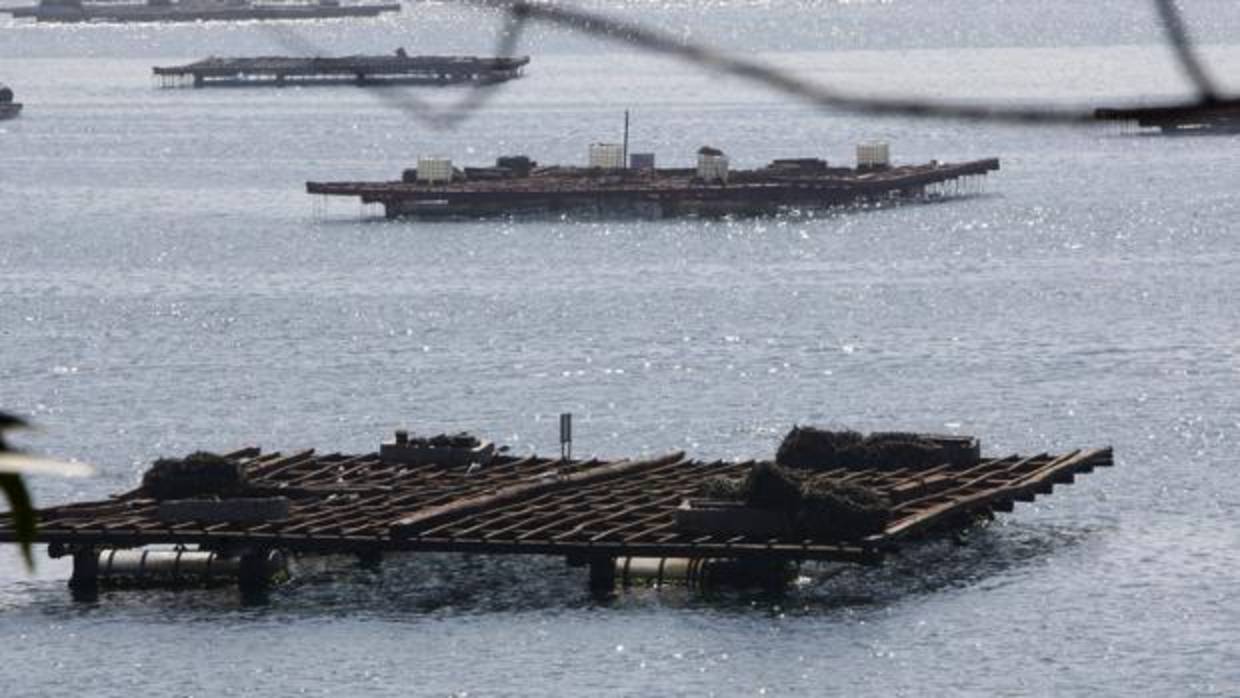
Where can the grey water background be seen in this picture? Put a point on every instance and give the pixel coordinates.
(167, 286)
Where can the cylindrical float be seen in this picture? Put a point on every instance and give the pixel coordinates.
(156, 568)
(702, 573)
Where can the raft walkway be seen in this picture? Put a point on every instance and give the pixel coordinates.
(359, 70)
(585, 509)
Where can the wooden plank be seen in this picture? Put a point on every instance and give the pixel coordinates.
(417, 522)
(929, 516)
(991, 470)
(918, 487)
(272, 468)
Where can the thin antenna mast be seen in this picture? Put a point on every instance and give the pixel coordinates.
(625, 163)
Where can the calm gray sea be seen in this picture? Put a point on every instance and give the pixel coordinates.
(166, 285)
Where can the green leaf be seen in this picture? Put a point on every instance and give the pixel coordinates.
(25, 521)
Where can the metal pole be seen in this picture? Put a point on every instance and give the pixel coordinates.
(625, 164)
(566, 436)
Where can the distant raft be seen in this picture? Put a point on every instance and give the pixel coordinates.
(394, 68)
(8, 107)
(193, 10)
(1220, 116)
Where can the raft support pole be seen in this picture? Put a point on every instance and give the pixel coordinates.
(84, 584)
(602, 573)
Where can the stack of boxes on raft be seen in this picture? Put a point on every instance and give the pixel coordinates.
(609, 158)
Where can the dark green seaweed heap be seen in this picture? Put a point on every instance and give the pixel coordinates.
(810, 448)
(199, 474)
(723, 488)
(460, 440)
(828, 505)
(818, 507)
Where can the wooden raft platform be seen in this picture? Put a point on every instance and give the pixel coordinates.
(657, 192)
(358, 70)
(8, 107)
(580, 509)
(73, 11)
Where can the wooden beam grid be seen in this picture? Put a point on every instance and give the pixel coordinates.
(661, 488)
(336, 505)
(651, 495)
(530, 504)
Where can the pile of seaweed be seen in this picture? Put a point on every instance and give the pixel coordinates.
(817, 506)
(200, 474)
(459, 440)
(814, 449)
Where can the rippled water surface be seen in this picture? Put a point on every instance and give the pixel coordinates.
(167, 286)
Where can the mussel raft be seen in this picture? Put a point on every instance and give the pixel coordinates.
(1213, 117)
(8, 107)
(74, 11)
(832, 496)
(516, 185)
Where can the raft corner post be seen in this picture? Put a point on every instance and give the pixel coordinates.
(602, 573)
(84, 582)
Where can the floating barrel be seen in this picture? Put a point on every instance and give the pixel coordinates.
(700, 573)
(155, 568)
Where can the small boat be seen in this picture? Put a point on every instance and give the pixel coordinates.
(193, 10)
(8, 108)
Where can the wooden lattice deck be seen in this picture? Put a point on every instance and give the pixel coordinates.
(360, 70)
(580, 509)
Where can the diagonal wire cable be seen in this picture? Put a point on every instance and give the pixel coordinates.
(1182, 44)
(519, 12)
(600, 26)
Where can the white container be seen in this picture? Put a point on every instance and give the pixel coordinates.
(607, 156)
(712, 168)
(432, 170)
(873, 154)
